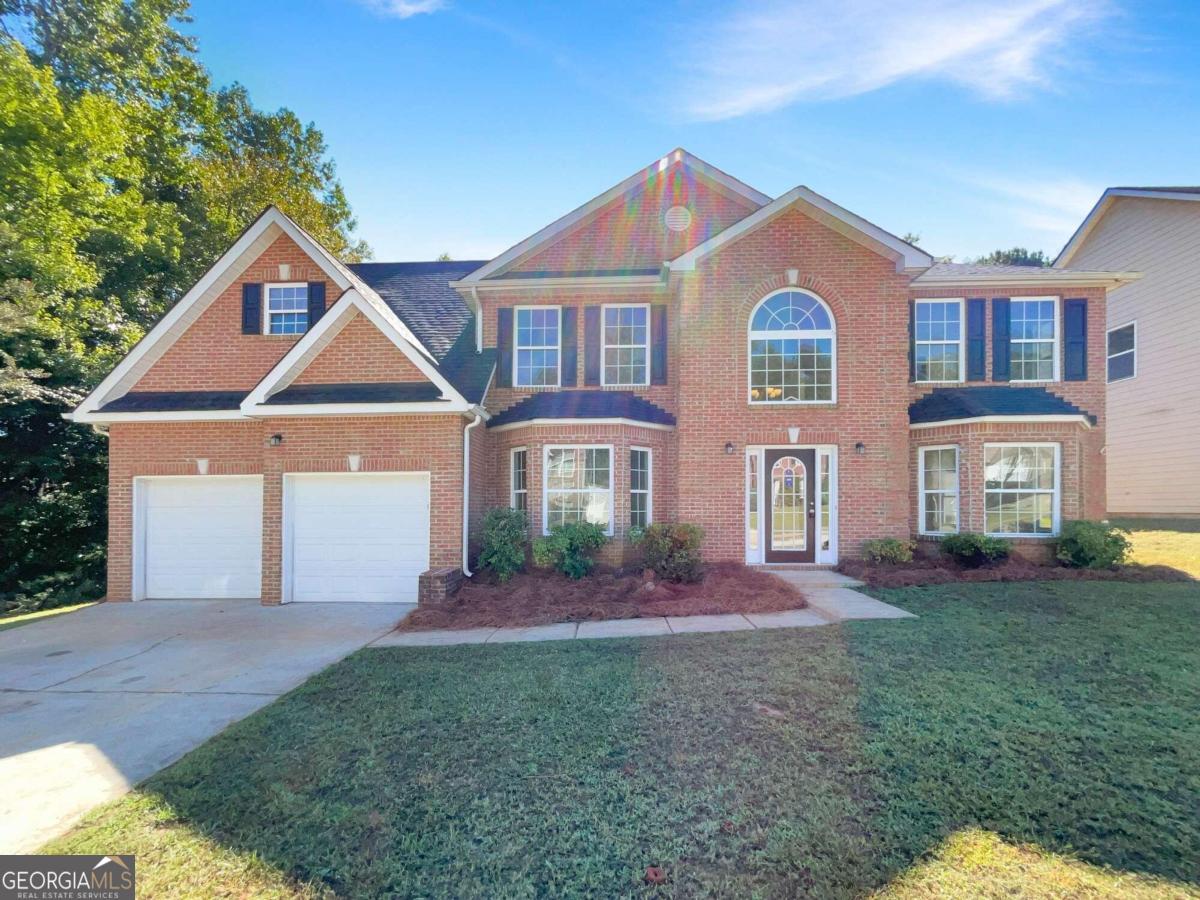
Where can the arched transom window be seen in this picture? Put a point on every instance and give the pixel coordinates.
(792, 346)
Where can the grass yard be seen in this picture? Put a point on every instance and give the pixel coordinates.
(1035, 740)
(16, 620)
(1168, 542)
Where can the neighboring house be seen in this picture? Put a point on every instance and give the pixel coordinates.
(1153, 344)
(680, 348)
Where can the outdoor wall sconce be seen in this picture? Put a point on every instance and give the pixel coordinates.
(276, 440)
(860, 448)
(729, 448)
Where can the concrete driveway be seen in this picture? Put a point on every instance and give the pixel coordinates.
(97, 700)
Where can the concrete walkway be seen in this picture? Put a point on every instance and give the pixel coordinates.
(831, 598)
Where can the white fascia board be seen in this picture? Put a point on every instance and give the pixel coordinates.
(855, 227)
(337, 317)
(183, 415)
(655, 426)
(634, 181)
(586, 281)
(1006, 420)
(1051, 278)
(1092, 219)
(271, 411)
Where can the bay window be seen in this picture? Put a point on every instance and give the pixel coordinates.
(938, 500)
(639, 487)
(577, 486)
(1021, 489)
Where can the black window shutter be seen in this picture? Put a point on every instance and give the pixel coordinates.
(504, 346)
(570, 353)
(912, 340)
(658, 345)
(252, 308)
(976, 339)
(591, 345)
(316, 301)
(1001, 330)
(1075, 340)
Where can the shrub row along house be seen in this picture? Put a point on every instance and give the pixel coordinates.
(682, 347)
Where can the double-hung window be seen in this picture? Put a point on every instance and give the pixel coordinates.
(626, 345)
(536, 346)
(1033, 338)
(639, 487)
(1122, 352)
(519, 475)
(938, 340)
(577, 486)
(286, 309)
(939, 490)
(1021, 489)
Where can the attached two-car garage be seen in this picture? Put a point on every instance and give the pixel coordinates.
(345, 537)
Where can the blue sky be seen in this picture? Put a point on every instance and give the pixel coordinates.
(464, 126)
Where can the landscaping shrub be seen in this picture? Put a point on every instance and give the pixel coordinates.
(1093, 545)
(673, 551)
(568, 548)
(889, 550)
(505, 534)
(973, 550)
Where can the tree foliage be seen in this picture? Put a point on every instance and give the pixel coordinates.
(124, 174)
(1015, 256)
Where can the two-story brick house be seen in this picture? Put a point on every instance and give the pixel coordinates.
(682, 347)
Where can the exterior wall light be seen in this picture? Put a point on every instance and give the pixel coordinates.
(729, 448)
(276, 440)
(860, 448)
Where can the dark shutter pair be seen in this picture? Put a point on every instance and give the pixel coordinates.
(976, 340)
(592, 346)
(252, 301)
(1074, 339)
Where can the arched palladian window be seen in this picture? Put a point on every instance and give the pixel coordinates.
(792, 347)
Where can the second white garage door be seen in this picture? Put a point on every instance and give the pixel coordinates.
(360, 537)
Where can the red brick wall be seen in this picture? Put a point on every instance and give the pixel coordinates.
(310, 444)
(360, 352)
(630, 231)
(213, 354)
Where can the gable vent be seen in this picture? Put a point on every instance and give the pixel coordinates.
(678, 218)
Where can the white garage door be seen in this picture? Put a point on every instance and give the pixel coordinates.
(361, 537)
(200, 537)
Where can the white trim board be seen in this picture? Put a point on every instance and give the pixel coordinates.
(509, 426)
(1006, 420)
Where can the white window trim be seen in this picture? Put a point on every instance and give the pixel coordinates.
(266, 306)
(557, 346)
(752, 336)
(1110, 356)
(649, 491)
(512, 488)
(1055, 343)
(604, 345)
(1056, 502)
(922, 491)
(961, 302)
(546, 448)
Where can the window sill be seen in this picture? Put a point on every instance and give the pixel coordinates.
(1021, 537)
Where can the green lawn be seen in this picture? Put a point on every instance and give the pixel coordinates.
(1168, 542)
(1015, 740)
(16, 620)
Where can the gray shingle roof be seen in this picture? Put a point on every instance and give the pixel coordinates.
(369, 392)
(595, 404)
(174, 401)
(946, 404)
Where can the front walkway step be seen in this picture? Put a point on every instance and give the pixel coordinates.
(805, 580)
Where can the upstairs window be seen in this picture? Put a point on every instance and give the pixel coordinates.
(938, 340)
(536, 346)
(626, 345)
(286, 309)
(791, 349)
(1033, 337)
(1122, 352)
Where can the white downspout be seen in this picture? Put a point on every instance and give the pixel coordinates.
(466, 506)
(478, 320)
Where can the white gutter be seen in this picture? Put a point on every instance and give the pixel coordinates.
(1049, 278)
(581, 281)
(466, 505)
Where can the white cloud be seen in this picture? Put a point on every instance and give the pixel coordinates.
(772, 53)
(403, 9)
(1054, 206)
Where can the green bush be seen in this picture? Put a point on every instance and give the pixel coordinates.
(1093, 545)
(973, 550)
(673, 551)
(889, 550)
(505, 535)
(568, 548)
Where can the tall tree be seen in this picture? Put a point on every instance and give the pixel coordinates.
(1015, 256)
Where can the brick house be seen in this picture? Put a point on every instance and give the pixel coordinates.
(680, 348)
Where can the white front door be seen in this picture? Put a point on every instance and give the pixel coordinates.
(198, 536)
(355, 537)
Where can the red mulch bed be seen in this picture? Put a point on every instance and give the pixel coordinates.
(943, 571)
(543, 598)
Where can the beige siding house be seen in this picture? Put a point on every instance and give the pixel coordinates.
(1153, 455)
